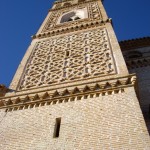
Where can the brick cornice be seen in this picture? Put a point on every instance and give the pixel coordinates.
(138, 62)
(101, 88)
(78, 27)
(134, 43)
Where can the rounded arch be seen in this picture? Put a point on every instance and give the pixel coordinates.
(67, 17)
(73, 15)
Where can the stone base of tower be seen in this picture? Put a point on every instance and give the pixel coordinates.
(88, 121)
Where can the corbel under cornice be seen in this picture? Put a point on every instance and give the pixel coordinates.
(63, 95)
(77, 27)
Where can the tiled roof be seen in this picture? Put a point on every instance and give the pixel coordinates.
(134, 43)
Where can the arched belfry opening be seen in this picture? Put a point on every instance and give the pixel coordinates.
(73, 15)
(67, 17)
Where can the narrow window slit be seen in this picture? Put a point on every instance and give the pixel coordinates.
(57, 127)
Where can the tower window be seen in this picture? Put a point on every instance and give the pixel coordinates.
(77, 18)
(70, 19)
(57, 127)
(74, 15)
(67, 17)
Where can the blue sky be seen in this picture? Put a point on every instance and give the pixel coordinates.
(20, 19)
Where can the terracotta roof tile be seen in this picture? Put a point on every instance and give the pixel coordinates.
(134, 43)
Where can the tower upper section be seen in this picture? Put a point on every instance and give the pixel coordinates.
(75, 44)
(68, 14)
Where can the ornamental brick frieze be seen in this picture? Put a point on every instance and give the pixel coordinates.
(138, 63)
(60, 5)
(91, 90)
(76, 27)
(93, 10)
(73, 57)
(128, 45)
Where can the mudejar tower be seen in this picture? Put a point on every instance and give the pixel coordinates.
(72, 90)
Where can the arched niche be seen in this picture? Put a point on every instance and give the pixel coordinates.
(73, 15)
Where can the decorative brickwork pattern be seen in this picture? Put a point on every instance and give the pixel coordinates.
(138, 63)
(76, 27)
(68, 58)
(93, 14)
(137, 55)
(73, 71)
(67, 94)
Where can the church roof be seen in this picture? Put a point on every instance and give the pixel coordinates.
(134, 43)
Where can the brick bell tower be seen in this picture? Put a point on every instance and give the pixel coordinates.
(72, 90)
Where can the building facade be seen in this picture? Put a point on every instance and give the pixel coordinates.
(73, 89)
(137, 56)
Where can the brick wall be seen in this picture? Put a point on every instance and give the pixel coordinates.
(106, 122)
(142, 71)
(143, 75)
